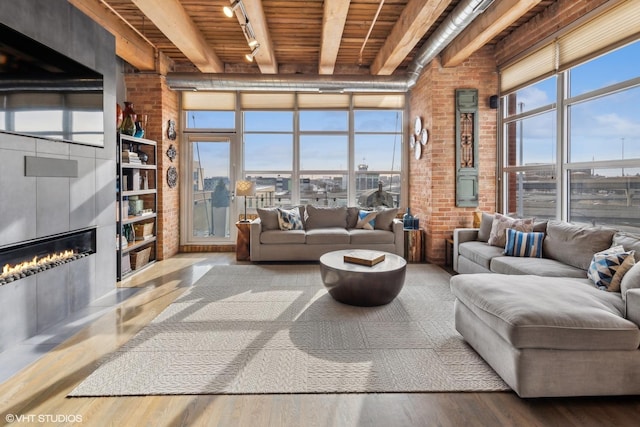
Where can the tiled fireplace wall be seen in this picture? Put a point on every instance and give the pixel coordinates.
(33, 207)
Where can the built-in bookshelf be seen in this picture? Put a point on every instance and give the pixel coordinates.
(137, 202)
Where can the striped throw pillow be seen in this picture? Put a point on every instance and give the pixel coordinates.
(523, 244)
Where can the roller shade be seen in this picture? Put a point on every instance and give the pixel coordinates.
(209, 101)
(323, 100)
(390, 100)
(267, 100)
(614, 26)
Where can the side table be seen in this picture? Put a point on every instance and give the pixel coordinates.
(242, 241)
(413, 245)
(448, 252)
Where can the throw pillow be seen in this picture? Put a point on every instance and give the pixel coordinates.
(523, 244)
(352, 216)
(384, 218)
(626, 265)
(268, 218)
(630, 280)
(630, 242)
(501, 223)
(324, 217)
(604, 266)
(366, 220)
(485, 227)
(289, 219)
(575, 244)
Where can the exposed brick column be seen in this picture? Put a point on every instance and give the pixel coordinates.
(432, 178)
(151, 95)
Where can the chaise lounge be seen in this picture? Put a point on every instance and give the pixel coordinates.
(547, 333)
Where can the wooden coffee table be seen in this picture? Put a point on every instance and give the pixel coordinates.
(362, 285)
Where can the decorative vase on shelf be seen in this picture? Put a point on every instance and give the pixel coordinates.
(407, 220)
(139, 133)
(128, 119)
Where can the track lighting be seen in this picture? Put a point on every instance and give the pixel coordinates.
(250, 56)
(229, 10)
(247, 30)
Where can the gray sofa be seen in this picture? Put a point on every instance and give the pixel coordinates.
(324, 230)
(540, 323)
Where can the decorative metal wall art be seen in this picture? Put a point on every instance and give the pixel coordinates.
(171, 152)
(172, 176)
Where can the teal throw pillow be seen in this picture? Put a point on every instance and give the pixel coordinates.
(523, 244)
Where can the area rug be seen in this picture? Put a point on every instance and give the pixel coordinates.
(253, 329)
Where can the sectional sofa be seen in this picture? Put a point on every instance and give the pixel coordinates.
(541, 323)
(322, 229)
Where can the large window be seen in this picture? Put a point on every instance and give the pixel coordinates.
(571, 143)
(326, 149)
(327, 157)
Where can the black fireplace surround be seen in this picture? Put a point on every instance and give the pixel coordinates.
(81, 242)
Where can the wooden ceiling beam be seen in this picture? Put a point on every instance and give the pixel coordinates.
(177, 25)
(130, 46)
(333, 20)
(500, 15)
(416, 18)
(265, 57)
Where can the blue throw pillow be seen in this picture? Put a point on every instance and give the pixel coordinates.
(523, 244)
(366, 220)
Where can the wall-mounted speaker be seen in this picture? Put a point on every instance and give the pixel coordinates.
(493, 101)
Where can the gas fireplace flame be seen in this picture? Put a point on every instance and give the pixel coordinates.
(9, 270)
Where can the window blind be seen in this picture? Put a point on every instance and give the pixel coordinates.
(209, 101)
(614, 26)
(267, 101)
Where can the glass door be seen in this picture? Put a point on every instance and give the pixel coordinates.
(209, 191)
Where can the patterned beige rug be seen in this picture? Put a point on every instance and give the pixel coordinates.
(250, 329)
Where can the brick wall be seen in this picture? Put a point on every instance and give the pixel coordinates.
(151, 95)
(432, 177)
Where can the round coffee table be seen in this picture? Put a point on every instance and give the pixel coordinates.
(362, 285)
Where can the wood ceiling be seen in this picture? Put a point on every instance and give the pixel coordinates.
(295, 36)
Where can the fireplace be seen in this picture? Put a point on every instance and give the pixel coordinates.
(33, 256)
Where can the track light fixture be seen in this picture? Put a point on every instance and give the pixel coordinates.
(229, 10)
(247, 29)
(250, 56)
(253, 42)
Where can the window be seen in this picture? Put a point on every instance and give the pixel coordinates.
(210, 120)
(329, 157)
(576, 155)
(268, 155)
(605, 196)
(299, 148)
(605, 127)
(378, 153)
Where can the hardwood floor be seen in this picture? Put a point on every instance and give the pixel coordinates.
(37, 394)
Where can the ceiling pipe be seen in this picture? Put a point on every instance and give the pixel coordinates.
(286, 83)
(453, 25)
